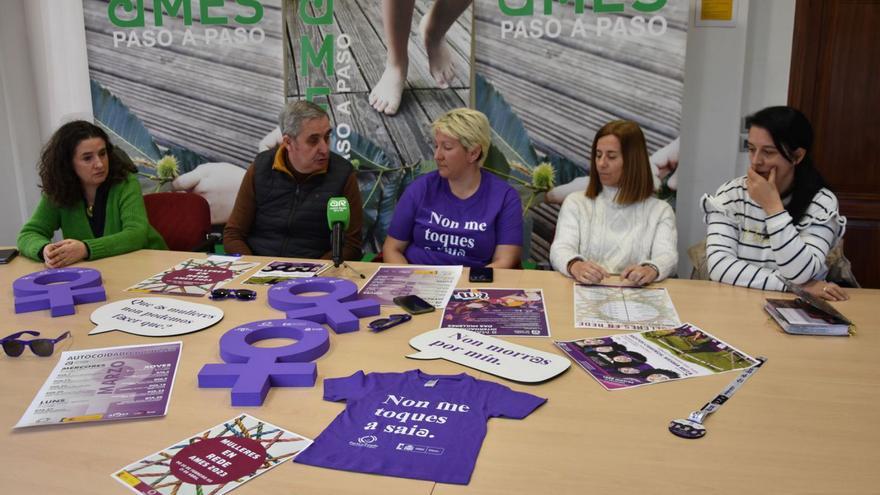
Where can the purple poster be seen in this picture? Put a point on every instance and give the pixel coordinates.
(129, 382)
(502, 312)
(635, 359)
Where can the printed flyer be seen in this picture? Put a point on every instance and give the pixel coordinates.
(215, 461)
(194, 277)
(501, 312)
(128, 382)
(632, 360)
(623, 308)
(279, 271)
(434, 284)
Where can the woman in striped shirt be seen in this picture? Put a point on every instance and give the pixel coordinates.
(775, 225)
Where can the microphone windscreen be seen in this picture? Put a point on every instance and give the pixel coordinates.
(338, 211)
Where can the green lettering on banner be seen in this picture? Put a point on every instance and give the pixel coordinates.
(163, 5)
(258, 12)
(312, 92)
(599, 6)
(649, 6)
(129, 7)
(325, 18)
(205, 6)
(310, 58)
(528, 8)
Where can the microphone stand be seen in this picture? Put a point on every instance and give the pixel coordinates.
(337, 242)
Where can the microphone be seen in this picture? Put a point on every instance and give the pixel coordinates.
(338, 214)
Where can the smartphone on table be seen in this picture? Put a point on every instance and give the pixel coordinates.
(413, 304)
(481, 275)
(6, 255)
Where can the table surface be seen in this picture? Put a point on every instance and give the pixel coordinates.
(806, 423)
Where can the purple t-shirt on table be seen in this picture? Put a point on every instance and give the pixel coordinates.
(412, 425)
(444, 230)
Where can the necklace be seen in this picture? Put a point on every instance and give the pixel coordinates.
(90, 210)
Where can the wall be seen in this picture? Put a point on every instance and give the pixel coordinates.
(729, 72)
(43, 83)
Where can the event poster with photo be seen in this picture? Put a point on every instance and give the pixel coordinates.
(194, 277)
(111, 383)
(215, 461)
(498, 312)
(632, 360)
(434, 284)
(623, 308)
(384, 75)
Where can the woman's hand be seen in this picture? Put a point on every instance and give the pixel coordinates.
(764, 191)
(587, 272)
(64, 253)
(640, 274)
(825, 290)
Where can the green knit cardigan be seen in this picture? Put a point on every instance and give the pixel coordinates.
(126, 227)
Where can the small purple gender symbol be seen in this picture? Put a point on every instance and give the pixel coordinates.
(340, 307)
(250, 371)
(58, 289)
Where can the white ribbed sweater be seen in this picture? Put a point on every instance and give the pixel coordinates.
(613, 235)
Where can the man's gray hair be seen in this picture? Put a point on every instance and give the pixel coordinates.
(291, 119)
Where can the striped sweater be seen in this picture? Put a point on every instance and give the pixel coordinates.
(745, 247)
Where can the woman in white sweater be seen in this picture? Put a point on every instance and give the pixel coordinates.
(618, 226)
(776, 224)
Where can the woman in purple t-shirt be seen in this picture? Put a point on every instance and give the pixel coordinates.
(459, 214)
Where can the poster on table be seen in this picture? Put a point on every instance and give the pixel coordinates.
(587, 63)
(500, 312)
(279, 271)
(194, 277)
(631, 360)
(381, 111)
(215, 461)
(191, 86)
(128, 382)
(623, 308)
(434, 284)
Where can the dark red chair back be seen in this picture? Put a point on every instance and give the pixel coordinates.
(183, 219)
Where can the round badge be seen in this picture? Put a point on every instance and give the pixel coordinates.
(686, 428)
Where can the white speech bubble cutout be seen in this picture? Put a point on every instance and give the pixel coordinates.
(154, 317)
(495, 356)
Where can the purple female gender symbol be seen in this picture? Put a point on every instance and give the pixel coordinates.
(250, 371)
(58, 289)
(340, 307)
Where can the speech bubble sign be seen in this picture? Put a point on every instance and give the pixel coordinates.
(495, 356)
(154, 317)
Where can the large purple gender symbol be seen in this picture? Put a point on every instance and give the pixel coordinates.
(250, 371)
(58, 289)
(340, 308)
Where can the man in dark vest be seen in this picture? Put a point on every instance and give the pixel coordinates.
(281, 207)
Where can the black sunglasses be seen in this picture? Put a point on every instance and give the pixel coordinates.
(391, 321)
(13, 347)
(240, 294)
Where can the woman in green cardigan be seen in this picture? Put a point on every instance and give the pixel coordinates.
(91, 193)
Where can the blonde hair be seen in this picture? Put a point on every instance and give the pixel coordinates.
(636, 180)
(469, 127)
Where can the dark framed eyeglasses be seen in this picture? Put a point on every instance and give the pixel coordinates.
(391, 321)
(240, 294)
(13, 346)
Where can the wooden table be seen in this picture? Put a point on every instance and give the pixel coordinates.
(806, 423)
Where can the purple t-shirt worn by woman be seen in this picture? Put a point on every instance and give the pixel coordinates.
(443, 229)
